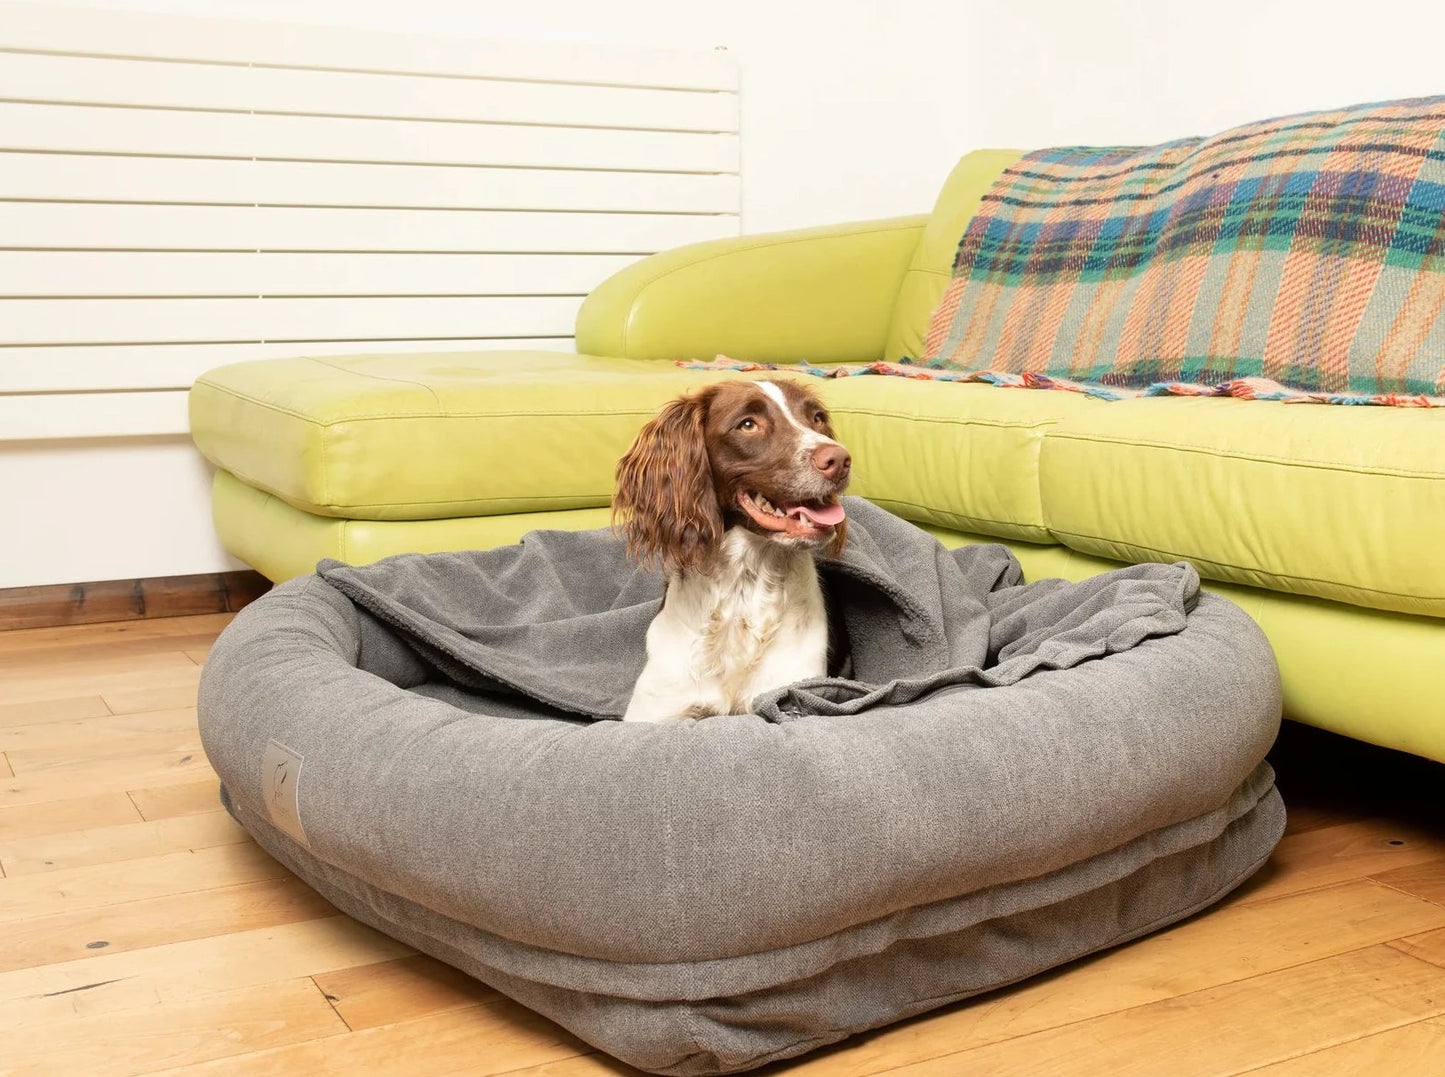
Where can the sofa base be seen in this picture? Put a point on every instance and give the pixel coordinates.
(283, 542)
(1347, 669)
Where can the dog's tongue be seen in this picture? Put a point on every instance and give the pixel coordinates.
(828, 516)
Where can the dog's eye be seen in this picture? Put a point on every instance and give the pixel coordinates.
(820, 417)
(747, 424)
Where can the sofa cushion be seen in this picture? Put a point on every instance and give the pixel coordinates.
(960, 456)
(426, 437)
(1341, 503)
(421, 437)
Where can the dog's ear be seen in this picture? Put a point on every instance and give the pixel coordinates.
(665, 504)
(838, 541)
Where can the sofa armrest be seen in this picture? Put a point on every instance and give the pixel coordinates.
(824, 294)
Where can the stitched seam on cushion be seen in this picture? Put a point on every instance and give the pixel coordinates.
(1285, 461)
(1246, 568)
(391, 415)
(605, 500)
(258, 401)
(1003, 424)
(631, 314)
(381, 377)
(594, 412)
(257, 484)
(323, 435)
(955, 515)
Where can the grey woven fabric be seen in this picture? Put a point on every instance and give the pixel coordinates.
(562, 616)
(1015, 776)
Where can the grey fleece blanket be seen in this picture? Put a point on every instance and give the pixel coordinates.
(561, 618)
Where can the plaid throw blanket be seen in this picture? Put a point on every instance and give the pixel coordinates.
(1240, 388)
(1300, 258)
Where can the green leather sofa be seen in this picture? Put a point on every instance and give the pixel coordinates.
(1325, 523)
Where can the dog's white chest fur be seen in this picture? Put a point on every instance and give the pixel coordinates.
(753, 622)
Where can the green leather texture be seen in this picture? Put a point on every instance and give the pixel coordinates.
(282, 542)
(932, 265)
(388, 437)
(1339, 503)
(825, 294)
(954, 455)
(417, 437)
(1351, 670)
(1358, 672)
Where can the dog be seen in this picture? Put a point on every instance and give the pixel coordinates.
(732, 491)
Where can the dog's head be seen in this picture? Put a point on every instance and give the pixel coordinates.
(754, 454)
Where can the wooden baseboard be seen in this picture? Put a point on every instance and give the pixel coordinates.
(128, 600)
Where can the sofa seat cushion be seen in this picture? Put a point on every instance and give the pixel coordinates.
(449, 435)
(423, 437)
(951, 454)
(1343, 503)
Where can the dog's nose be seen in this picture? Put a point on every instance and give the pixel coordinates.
(833, 461)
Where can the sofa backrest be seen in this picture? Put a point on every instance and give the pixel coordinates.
(932, 266)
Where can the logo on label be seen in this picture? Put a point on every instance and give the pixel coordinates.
(281, 789)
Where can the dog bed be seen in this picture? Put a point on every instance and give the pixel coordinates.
(1010, 777)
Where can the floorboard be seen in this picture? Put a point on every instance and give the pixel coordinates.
(145, 933)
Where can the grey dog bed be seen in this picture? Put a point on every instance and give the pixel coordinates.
(1011, 777)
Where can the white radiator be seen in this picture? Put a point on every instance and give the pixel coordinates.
(177, 193)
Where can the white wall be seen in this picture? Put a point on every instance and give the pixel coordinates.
(851, 108)
(124, 509)
(841, 100)
(1060, 72)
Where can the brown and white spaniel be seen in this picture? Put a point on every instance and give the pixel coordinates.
(732, 491)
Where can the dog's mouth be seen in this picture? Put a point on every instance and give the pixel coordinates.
(809, 520)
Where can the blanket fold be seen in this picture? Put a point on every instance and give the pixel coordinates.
(561, 618)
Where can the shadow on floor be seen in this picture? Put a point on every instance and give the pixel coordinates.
(1337, 777)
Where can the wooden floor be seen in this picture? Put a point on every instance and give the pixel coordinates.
(141, 931)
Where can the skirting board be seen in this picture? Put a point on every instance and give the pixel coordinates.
(128, 600)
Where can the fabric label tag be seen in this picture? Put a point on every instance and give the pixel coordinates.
(281, 787)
